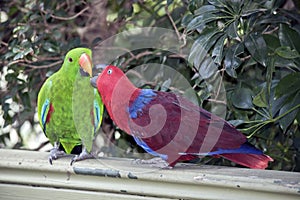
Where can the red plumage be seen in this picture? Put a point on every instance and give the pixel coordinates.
(170, 124)
(51, 110)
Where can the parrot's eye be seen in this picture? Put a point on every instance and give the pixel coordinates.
(109, 71)
(70, 60)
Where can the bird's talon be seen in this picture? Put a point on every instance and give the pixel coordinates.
(82, 156)
(55, 153)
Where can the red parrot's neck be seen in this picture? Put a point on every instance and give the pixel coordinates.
(118, 100)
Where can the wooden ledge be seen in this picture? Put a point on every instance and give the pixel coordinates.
(28, 175)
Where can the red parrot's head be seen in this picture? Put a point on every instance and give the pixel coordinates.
(111, 82)
(108, 79)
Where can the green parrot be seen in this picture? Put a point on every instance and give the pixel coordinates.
(69, 108)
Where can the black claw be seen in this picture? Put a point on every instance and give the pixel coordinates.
(50, 161)
(73, 160)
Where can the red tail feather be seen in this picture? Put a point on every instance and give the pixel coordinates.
(249, 160)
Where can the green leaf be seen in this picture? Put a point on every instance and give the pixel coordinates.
(218, 3)
(186, 19)
(207, 68)
(209, 43)
(288, 119)
(288, 85)
(287, 52)
(166, 84)
(200, 21)
(298, 117)
(16, 50)
(236, 5)
(49, 47)
(232, 61)
(269, 75)
(288, 37)
(205, 9)
(169, 2)
(18, 56)
(231, 72)
(232, 30)
(271, 41)
(260, 99)
(25, 99)
(242, 98)
(217, 52)
(277, 104)
(237, 122)
(198, 50)
(257, 47)
(27, 51)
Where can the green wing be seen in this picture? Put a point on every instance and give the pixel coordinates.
(45, 107)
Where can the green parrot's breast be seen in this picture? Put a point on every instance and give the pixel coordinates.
(71, 121)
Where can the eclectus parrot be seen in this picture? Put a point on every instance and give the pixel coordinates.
(171, 127)
(69, 108)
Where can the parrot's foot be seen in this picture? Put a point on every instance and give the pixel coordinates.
(82, 156)
(55, 153)
(154, 162)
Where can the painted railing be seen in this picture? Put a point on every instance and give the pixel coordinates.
(28, 175)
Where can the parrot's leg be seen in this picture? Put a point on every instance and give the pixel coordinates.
(55, 153)
(154, 162)
(82, 156)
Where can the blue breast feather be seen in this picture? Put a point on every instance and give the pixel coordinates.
(142, 144)
(246, 148)
(145, 96)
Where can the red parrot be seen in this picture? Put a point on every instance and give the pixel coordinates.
(171, 127)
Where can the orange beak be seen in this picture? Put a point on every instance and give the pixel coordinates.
(85, 63)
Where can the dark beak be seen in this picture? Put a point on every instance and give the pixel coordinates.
(93, 81)
(97, 69)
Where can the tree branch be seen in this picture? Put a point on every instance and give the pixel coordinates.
(67, 18)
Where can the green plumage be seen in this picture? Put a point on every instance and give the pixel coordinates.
(69, 108)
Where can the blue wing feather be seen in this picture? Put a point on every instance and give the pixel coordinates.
(97, 113)
(246, 148)
(44, 113)
(145, 96)
(142, 144)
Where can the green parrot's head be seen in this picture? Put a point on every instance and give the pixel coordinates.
(79, 60)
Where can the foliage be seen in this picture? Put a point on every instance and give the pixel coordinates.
(253, 45)
(254, 42)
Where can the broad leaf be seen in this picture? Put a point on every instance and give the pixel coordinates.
(257, 47)
(200, 21)
(271, 41)
(218, 50)
(198, 50)
(205, 9)
(288, 85)
(236, 122)
(232, 61)
(288, 37)
(287, 52)
(242, 98)
(288, 119)
(207, 68)
(260, 99)
(232, 30)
